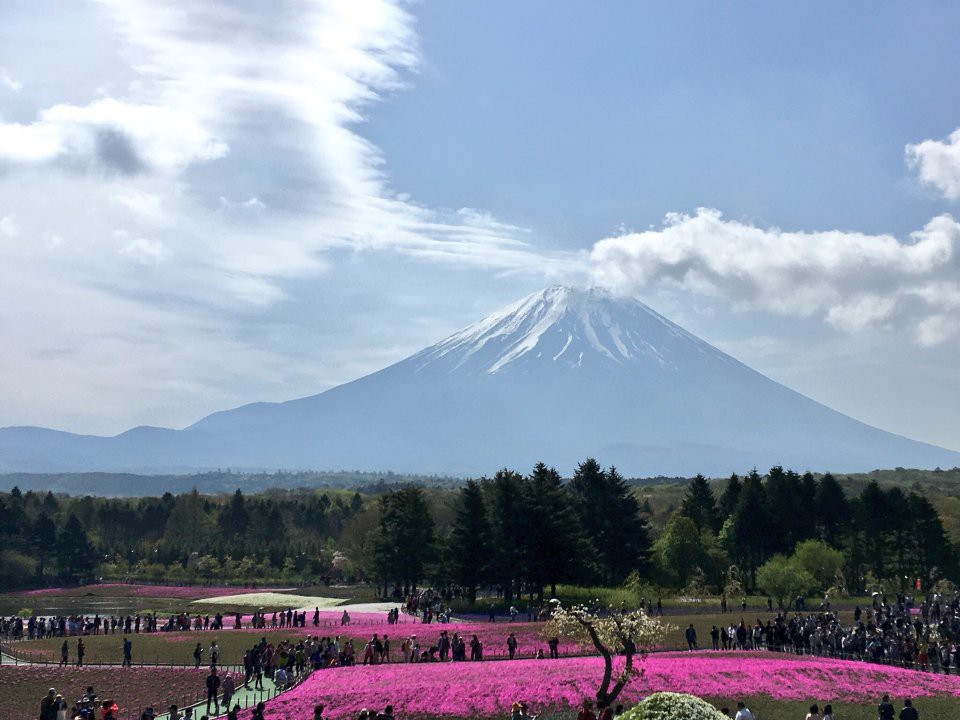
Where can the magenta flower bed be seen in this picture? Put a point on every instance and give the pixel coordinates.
(488, 689)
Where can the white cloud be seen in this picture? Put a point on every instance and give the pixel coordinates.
(145, 252)
(112, 134)
(10, 83)
(8, 227)
(938, 164)
(260, 104)
(854, 281)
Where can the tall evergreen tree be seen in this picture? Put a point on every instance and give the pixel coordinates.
(752, 526)
(554, 544)
(76, 555)
(505, 507)
(404, 541)
(700, 506)
(831, 511)
(234, 519)
(934, 556)
(729, 497)
(43, 541)
(470, 550)
(610, 515)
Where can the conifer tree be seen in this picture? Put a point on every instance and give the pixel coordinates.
(470, 550)
(700, 506)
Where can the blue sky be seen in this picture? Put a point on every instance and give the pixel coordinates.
(202, 206)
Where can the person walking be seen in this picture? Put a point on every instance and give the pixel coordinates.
(228, 687)
(127, 652)
(828, 712)
(512, 646)
(814, 713)
(743, 712)
(81, 649)
(691, 636)
(64, 653)
(197, 654)
(213, 687)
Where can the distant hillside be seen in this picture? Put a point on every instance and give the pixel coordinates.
(130, 485)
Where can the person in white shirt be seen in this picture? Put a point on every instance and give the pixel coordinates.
(743, 712)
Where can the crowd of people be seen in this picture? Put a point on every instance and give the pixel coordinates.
(924, 636)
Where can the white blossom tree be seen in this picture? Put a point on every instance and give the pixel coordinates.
(613, 631)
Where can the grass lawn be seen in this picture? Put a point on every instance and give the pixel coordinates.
(154, 648)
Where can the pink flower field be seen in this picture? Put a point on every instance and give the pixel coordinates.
(487, 689)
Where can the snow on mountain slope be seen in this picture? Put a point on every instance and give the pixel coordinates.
(560, 376)
(567, 326)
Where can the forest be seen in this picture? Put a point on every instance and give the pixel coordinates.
(782, 533)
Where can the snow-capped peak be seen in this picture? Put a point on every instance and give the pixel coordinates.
(565, 327)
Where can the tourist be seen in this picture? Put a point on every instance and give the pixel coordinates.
(214, 653)
(691, 636)
(318, 712)
(554, 644)
(213, 686)
(345, 618)
(885, 709)
(60, 707)
(586, 711)
(64, 653)
(228, 687)
(512, 645)
(46, 705)
(109, 710)
(234, 713)
(715, 638)
(127, 652)
(828, 712)
(280, 678)
(814, 713)
(197, 654)
(81, 649)
(743, 712)
(909, 712)
(147, 714)
(387, 713)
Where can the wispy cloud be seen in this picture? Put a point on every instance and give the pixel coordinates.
(8, 82)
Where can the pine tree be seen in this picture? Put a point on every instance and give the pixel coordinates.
(504, 501)
(43, 541)
(831, 511)
(554, 544)
(469, 547)
(752, 526)
(234, 518)
(610, 515)
(700, 506)
(728, 500)
(76, 555)
(404, 541)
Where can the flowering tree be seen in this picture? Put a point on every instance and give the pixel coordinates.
(614, 631)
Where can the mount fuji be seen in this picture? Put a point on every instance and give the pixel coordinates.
(560, 376)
